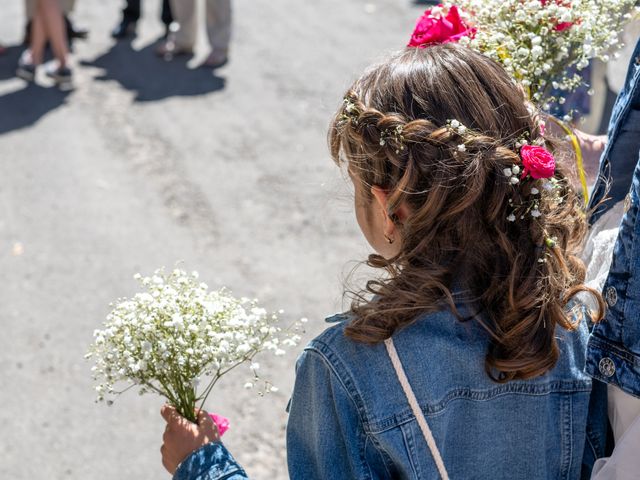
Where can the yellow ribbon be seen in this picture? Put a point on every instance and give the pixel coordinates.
(579, 161)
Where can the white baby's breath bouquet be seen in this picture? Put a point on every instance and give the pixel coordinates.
(544, 44)
(176, 334)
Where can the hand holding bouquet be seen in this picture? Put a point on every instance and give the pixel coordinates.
(170, 337)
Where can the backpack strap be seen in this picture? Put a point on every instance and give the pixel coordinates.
(415, 408)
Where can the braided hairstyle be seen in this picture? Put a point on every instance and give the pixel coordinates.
(392, 132)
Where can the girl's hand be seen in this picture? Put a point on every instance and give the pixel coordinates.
(592, 147)
(182, 437)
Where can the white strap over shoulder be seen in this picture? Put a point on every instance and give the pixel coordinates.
(417, 412)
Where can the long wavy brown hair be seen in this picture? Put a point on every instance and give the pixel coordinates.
(392, 132)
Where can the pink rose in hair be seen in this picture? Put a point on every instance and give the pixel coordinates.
(537, 162)
(433, 31)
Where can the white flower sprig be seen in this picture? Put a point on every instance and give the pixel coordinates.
(177, 332)
(540, 42)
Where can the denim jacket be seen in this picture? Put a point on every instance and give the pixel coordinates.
(349, 417)
(613, 354)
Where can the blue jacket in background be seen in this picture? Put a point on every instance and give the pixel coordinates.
(613, 354)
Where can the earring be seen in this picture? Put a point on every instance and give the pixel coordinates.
(389, 240)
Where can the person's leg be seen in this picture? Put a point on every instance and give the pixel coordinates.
(184, 39)
(131, 11)
(167, 15)
(50, 14)
(185, 13)
(218, 31)
(38, 40)
(34, 54)
(130, 16)
(29, 9)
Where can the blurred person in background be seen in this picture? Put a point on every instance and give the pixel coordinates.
(47, 26)
(131, 15)
(182, 41)
(3, 50)
(67, 7)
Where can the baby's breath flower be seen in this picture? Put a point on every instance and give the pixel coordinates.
(541, 42)
(168, 337)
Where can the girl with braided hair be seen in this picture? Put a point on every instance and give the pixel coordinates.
(464, 357)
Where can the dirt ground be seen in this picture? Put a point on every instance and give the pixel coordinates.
(147, 163)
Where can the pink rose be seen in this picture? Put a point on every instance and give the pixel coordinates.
(430, 30)
(221, 422)
(537, 162)
(560, 26)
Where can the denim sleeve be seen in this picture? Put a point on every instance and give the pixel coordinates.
(324, 433)
(211, 462)
(612, 351)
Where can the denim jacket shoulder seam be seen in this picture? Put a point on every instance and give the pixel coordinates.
(324, 356)
(329, 357)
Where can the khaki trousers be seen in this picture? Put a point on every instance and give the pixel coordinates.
(218, 13)
(66, 5)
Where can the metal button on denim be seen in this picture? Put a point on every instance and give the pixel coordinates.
(611, 295)
(607, 367)
(627, 203)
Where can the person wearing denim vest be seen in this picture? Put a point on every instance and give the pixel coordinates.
(613, 351)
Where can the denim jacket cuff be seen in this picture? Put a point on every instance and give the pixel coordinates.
(210, 462)
(613, 364)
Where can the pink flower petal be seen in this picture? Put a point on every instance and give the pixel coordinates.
(221, 422)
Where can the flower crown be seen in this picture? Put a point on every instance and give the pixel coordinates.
(531, 177)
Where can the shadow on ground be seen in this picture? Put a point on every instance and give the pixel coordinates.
(140, 71)
(25, 107)
(153, 78)
(9, 61)
(22, 108)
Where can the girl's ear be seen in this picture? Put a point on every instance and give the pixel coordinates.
(381, 197)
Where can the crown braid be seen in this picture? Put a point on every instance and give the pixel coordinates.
(395, 131)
